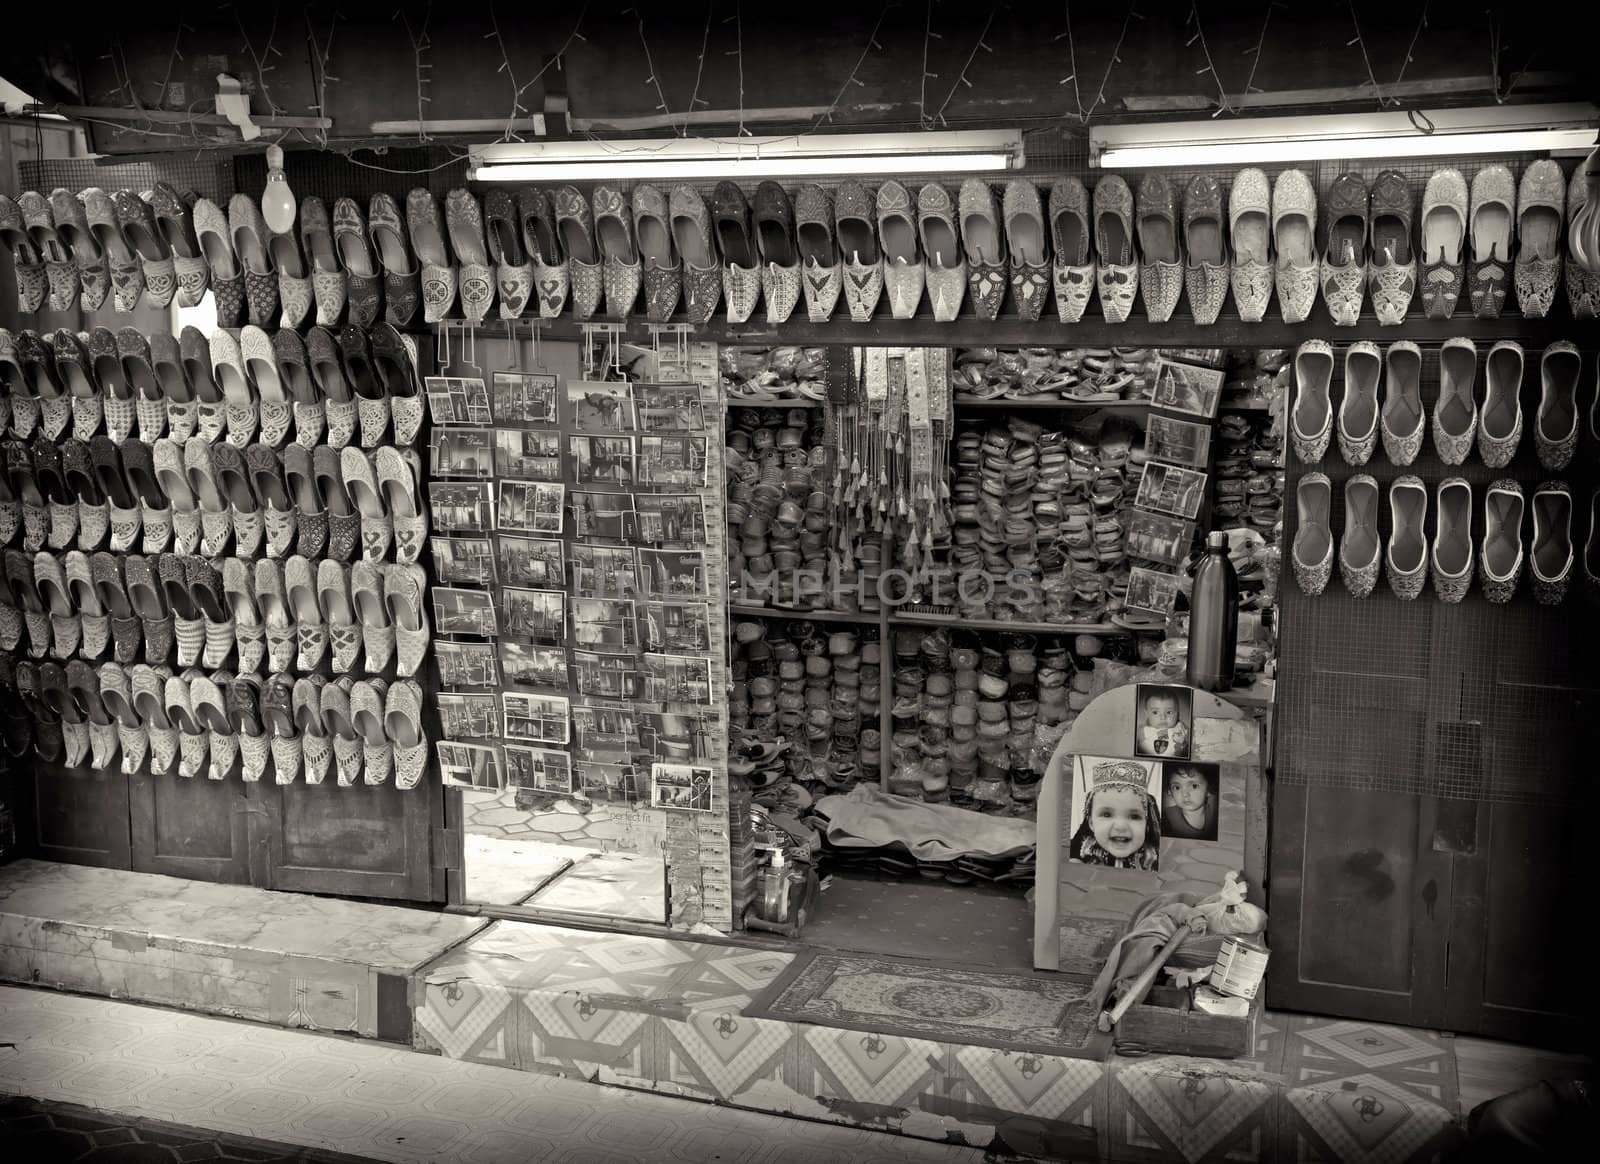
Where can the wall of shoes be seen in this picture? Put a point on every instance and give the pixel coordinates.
(580, 651)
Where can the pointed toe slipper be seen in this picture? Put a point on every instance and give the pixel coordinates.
(574, 224)
(858, 249)
(1117, 267)
(513, 271)
(620, 272)
(402, 286)
(542, 241)
(1073, 273)
(821, 272)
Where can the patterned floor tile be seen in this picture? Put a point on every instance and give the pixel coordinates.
(1364, 1119)
(386, 1103)
(1321, 1052)
(619, 885)
(870, 1069)
(1195, 1110)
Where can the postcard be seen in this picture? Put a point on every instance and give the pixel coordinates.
(676, 626)
(466, 664)
(676, 737)
(463, 612)
(533, 666)
(461, 452)
(468, 560)
(534, 614)
(608, 676)
(529, 453)
(461, 506)
(1159, 538)
(457, 400)
(544, 719)
(546, 769)
(669, 407)
(1171, 490)
(468, 765)
(678, 462)
(687, 787)
(525, 398)
(603, 515)
(604, 622)
(535, 562)
(677, 679)
(531, 507)
(605, 728)
(673, 573)
(600, 407)
(604, 781)
(605, 571)
(1187, 388)
(1150, 591)
(468, 716)
(1179, 441)
(601, 460)
(671, 517)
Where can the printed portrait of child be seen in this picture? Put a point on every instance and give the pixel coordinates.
(1164, 724)
(1190, 801)
(1118, 811)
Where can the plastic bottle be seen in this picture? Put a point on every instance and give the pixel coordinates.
(1214, 618)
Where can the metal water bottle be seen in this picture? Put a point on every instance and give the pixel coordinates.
(1214, 618)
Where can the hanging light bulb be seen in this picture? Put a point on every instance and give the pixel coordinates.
(277, 200)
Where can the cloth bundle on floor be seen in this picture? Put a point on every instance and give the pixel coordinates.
(869, 818)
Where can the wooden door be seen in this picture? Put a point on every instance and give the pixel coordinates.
(78, 816)
(189, 828)
(361, 841)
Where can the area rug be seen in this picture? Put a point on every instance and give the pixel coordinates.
(919, 1000)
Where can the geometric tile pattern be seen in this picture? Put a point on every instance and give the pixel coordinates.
(618, 885)
(326, 1094)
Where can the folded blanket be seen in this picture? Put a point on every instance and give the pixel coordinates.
(867, 817)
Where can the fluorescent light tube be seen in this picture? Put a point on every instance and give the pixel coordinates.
(972, 151)
(1508, 129)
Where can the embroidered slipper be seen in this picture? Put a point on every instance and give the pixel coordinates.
(175, 221)
(72, 224)
(52, 678)
(207, 599)
(70, 494)
(513, 272)
(402, 723)
(363, 280)
(333, 596)
(66, 509)
(276, 615)
(216, 520)
(1311, 422)
(193, 746)
(138, 221)
(575, 230)
(155, 510)
(945, 268)
(404, 587)
(36, 357)
(1402, 420)
(116, 393)
(378, 636)
(133, 351)
(1161, 268)
(1027, 248)
(689, 254)
(61, 272)
(1500, 422)
(1444, 231)
(10, 512)
(1117, 262)
(1205, 244)
(310, 631)
(244, 507)
(1583, 269)
(211, 409)
(659, 265)
(91, 614)
(20, 396)
(127, 274)
(1294, 228)
(360, 479)
(261, 368)
(338, 725)
(1358, 410)
(774, 221)
(344, 524)
(16, 725)
(238, 390)
(315, 746)
(372, 403)
(858, 247)
(425, 229)
(84, 686)
(1541, 211)
(399, 478)
(32, 282)
(277, 711)
(66, 630)
(11, 622)
(1073, 269)
(116, 695)
(209, 700)
(310, 515)
(49, 742)
(1345, 261)
(395, 363)
(551, 279)
(367, 711)
(295, 290)
(167, 457)
(1455, 416)
(244, 716)
(239, 588)
(327, 377)
(294, 370)
(172, 380)
(621, 272)
(76, 371)
(189, 626)
(227, 276)
(327, 278)
(127, 631)
(145, 594)
(1494, 200)
(249, 233)
(464, 222)
(903, 273)
(149, 701)
(268, 484)
(822, 272)
(1393, 271)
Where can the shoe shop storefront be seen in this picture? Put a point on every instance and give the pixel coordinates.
(961, 604)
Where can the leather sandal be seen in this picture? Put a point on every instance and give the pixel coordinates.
(780, 262)
(858, 245)
(619, 259)
(250, 236)
(327, 277)
(32, 282)
(575, 230)
(72, 225)
(903, 271)
(175, 223)
(138, 221)
(227, 275)
(402, 284)
(364, 282)
(1161, 267)
(821, 271)
(61, 272)
(1294, 229)
(513, 270)
(1345, 260)
(551, 278)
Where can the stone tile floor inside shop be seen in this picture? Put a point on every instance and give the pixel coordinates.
(505, 1007)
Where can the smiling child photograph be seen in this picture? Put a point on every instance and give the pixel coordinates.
(1117, 804)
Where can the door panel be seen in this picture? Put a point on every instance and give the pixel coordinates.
(77, 815)
(364, 841)
(189, 828)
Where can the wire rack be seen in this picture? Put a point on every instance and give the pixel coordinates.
(205, 175)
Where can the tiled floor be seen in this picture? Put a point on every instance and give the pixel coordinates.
(979, 925)
(369, 1100)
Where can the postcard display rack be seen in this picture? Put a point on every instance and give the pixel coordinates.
(582, 654)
